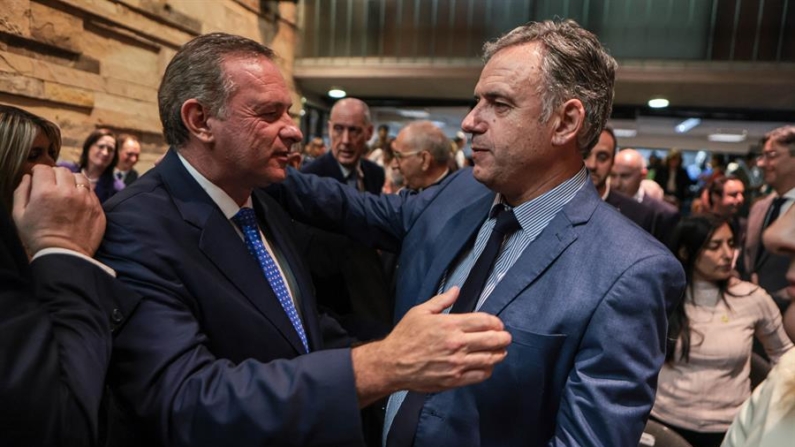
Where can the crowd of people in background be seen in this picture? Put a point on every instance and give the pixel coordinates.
(345, 300)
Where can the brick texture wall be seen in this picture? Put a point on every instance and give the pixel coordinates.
(97, 63)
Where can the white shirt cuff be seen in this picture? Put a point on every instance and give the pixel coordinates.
(66, 251)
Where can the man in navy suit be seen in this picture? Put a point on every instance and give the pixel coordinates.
(583, 291)
(226, 347)
(629, 169)
(599, 163)
(57, 313)
(348, 276)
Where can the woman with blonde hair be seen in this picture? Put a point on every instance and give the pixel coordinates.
(767, 419)
(25, 140)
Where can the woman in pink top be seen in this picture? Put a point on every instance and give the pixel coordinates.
(706, 376)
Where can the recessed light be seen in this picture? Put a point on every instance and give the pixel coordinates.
(687, 125)
(337, 93)
(658, 103)
(625, 133)
(723, 136)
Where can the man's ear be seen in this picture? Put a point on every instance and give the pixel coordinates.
(426, 160)
(568, 122)
(196, 119)
(368, 132)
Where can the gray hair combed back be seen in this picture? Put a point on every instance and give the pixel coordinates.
(196, 72)
(426, 136)
(783, 135)
(575, 66)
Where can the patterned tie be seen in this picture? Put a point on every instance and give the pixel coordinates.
(404, 426)
(246, 220)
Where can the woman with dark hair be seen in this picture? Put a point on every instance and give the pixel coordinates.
(97, 161)
(706, 375)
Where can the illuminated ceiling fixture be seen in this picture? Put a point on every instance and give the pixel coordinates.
(625, 133)
(728, 136)
(337, 93)
(687, 125)
(658, 103)
(415, 114)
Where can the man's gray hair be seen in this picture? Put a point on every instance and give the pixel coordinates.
(784, 135)
(196, 71)
(426, 136)
(575, 66)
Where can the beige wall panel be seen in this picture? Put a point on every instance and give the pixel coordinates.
(15, 17)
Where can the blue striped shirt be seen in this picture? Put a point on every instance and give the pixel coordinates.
(533, 216)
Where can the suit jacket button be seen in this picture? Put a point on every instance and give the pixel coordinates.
(116, 316)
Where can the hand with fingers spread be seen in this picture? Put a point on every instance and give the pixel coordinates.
(430, 351)
(54, 208)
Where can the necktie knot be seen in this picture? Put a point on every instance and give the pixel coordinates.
(246, 217)
(506, 221)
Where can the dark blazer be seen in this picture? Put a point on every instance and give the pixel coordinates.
(771, 268)
(632, 210)
(666, 216)
(107, 184)
(586, 305)
(210, 358)
(131, 176)
(327, 166)
(682, 181)
(56, 319)
(349, 278)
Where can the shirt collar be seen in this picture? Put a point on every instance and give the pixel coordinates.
(346, 171)
(544, 207)
(227, 205)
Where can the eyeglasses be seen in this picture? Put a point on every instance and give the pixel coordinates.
(401, 155)
(353, 131)
(767, 156)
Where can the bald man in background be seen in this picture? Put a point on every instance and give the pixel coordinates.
(629, 169)
(422, 155)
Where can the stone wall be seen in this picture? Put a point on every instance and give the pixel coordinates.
(97, 63)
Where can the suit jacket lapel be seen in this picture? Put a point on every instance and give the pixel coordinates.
(756, 221)
(278, 236)
(456, 236)
(544, 250)
(223, 247)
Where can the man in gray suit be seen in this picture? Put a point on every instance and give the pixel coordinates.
(778, 164)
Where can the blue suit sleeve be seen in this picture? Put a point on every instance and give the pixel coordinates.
(379, 221)
(609, 393)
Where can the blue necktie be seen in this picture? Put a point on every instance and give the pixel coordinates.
(404, 425)
(247, 221)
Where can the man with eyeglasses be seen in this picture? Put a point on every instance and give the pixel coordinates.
(778, 166)
(421, 154)
(348, 276)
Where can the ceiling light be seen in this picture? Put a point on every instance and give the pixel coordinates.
(723, 136)
(625, 133)
(416, 114)
(687, 125)
(337, 93)
(658, 103)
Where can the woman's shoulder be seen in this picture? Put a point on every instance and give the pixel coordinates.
(70, 165)
(744, 289)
